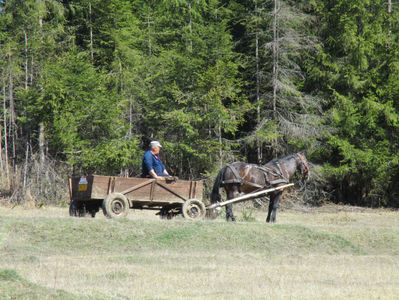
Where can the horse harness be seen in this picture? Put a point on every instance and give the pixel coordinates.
(266, 171)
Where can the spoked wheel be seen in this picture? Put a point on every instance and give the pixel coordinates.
(194, 209)
(115, 206)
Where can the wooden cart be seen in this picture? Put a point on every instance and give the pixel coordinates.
(116, 195)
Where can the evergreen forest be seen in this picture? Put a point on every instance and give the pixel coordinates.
(86, 85)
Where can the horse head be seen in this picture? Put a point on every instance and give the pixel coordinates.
(302, 165)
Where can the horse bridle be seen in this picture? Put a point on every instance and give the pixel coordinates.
(303, 162)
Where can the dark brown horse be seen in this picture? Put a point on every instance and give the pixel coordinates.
(245, 178)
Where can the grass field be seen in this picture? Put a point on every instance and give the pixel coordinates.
(330, 253)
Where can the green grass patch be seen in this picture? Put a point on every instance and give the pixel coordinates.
(51, 236)
(147, 258)
(13, 286)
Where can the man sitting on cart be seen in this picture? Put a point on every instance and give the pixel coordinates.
(152, 166)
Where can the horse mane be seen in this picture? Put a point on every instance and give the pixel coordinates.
(278, 160)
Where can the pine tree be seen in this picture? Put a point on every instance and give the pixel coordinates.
(182, 80)
(83, 116)
(279, 36)
(356, 67)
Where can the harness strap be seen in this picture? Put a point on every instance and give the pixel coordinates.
(231, 181)
(236, 175)
(266, 171)
(277, 181)
(242, 181)
(271, 171)
(280, 169)
(239, 180)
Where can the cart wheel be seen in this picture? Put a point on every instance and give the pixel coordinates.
(73, 208)
(194, 209)
(115, 206)
(76, 209)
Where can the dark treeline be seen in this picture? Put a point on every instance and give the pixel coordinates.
(85, 85)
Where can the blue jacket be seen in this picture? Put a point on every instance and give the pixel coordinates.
(152, 162)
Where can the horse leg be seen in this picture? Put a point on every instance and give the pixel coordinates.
(229, 213)
(276, 200)
(229, 207)
(270, 208)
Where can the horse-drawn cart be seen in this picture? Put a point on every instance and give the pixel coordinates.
(116, 195)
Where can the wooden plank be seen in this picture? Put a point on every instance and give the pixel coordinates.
(248, 196)
(137, 186)
(99, 186)
(195, 190)
(112, 183)
(172, 192)
(109, 185)
(78, 195)
(152, 191)
(199, 188)
(191, 190)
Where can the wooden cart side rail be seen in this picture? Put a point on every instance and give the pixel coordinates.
(248, 196)
(111, 185)
(136, 187)
(193, 189)
(155, 182)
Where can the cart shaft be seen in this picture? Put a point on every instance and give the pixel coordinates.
(248, 196)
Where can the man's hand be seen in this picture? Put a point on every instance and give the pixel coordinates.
(155, 176)
(172, 178)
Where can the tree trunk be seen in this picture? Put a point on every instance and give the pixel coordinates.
(12, 129)
(190, 28)
(91, 34)
(26, 60)
(258, 142)
(26, 165)
(389, 9)
(220, 145)
(130, 117)
(275, 57)
(149, 35)
(1, 154)
(42, 144)
(31, 71)
(5, 133)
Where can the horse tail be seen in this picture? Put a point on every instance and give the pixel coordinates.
(215, 195)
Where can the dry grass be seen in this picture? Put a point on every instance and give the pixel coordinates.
(325, 254)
